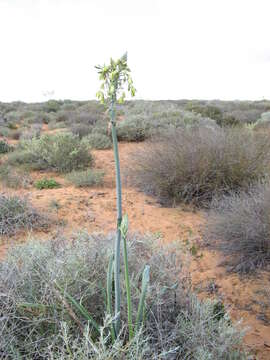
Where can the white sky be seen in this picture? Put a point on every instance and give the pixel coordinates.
(177, 48)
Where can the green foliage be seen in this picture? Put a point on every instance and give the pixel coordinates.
(15, 134)
(62, 152)
(263, 123)
(12, 126)
(81, 129)
(132, 130)
(4, 147)
(46, 184)
(33, 132)
(98, 141)
(4, 131)
(114, 77)
(16, 213)
(86, 178)
(213, 112)
(20, 157)
(51, 106)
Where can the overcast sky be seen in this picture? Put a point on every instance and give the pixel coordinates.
(211, 49)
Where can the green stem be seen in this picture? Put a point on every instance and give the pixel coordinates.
(145, 283)
(109, 294)
(124, 230)
(119, 220)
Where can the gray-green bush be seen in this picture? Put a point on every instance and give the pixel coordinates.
(62, 152)
(17, 213)
(40, 321)
(239, 225)
(81, 129)
(4, 147)
(98, 141)
(86, 178)
(263, 122)
(14, 178)
(196, 164)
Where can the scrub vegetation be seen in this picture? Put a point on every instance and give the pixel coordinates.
(120, 296)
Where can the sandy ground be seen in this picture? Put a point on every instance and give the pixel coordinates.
(94, 209)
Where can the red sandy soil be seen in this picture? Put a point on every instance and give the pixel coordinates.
(94, 209)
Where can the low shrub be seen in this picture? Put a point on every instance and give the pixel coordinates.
(101, 127)
(19, 157)
(62, 152)
(41, 282)
(46, 184)
(263, 123)
(16, 213)
(4, 147)
(132, 130)
(15, 134)
(12, 126)
(239, 225)
(86, 178)
(51, 106)
(98, 141)
(14, 178)
(38, 117)
(62, 116)
(33, 132)
(194, 165)
(84, 118)
(4, 131)
(53, 124)
(81, 129)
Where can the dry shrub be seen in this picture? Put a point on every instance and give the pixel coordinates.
(239, 225)
(194, 165)
(81, 129)
(86, 178)
(16, 213)
(14, 178)
(37, 323)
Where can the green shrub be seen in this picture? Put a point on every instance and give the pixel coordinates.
(12, 126)
(4, 131)
(81, 129)
(39, 117)
(15, 134)
(263, 123)
(86, 178)
(4, 147)
(194, 165)
(62, 152)
(100, 127)
(51, 106)
(46, 184)
(98, 141)
(62, 116)
(38, 280)
(132, 130)
(20, 157)
(14, 178)
(85, 118)
(213, 112)
(16, 213)
(33, 132)
(239, 225)
(53, 124)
